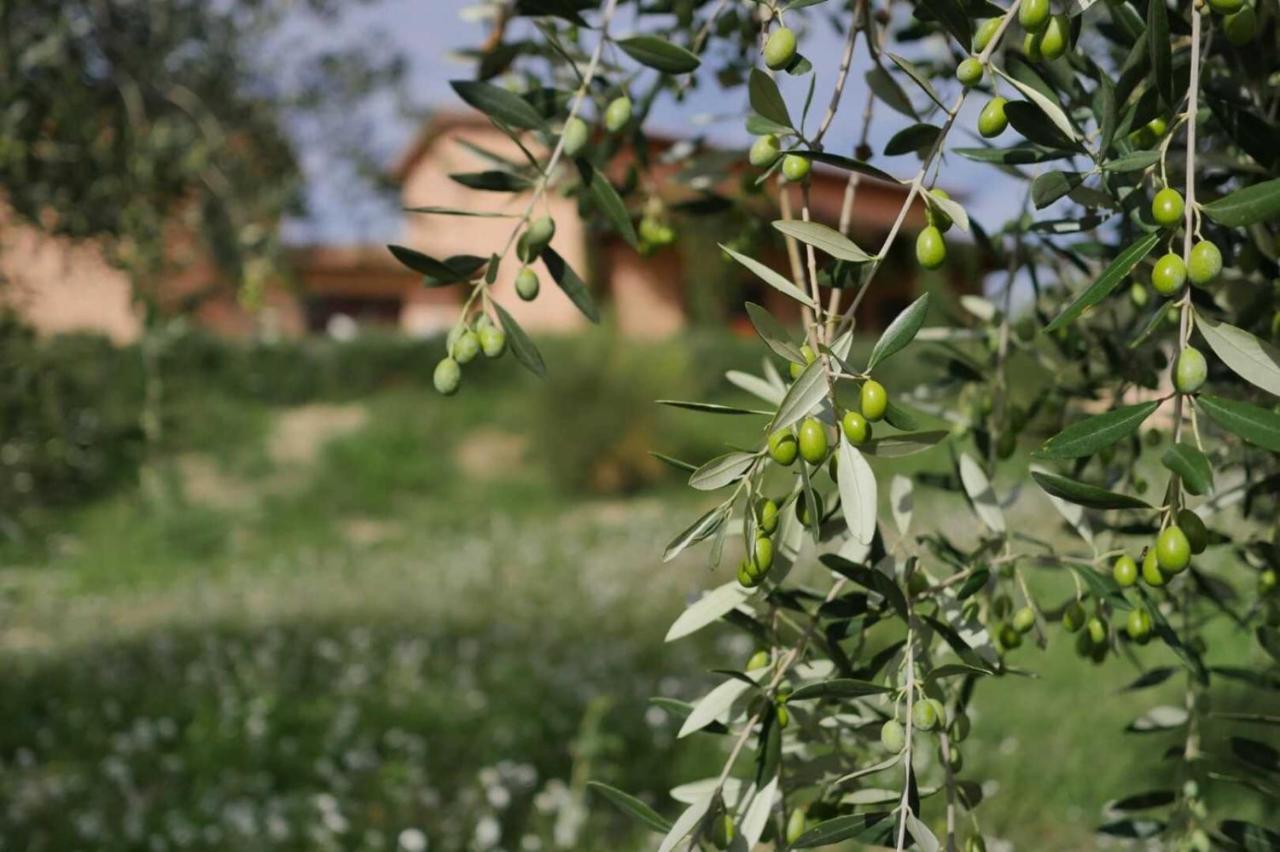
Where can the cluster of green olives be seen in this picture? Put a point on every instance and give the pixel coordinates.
(779, 53)
(1011, 630)
(991, 121)
(462, 345)
(576, 134)
(1169, 554)
(931, 247)
(1239, 20)
(1047, 35)
(756, 564)
(927, 715)
(809, 440)
(529, 247)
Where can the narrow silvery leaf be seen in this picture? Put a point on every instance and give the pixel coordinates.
(1073, 513)
(767, 391)
(1088, 436)
(902, 501)
(951, 208)
(1084, 494)
(805, 393)
(695, 532)
(708, 609)
(823, 238)
(771, 277)
(659, 54)
(756, 818)
(1249, 206)
(1048, 107)
(684, 824)
(923, 836)
(721, 471)
(632, 806)
(1253, 360)
(1256, 425)
(857, 484)
(900, 332)
(983, 309)
(714, 706)
(978, 487)
(692, 792)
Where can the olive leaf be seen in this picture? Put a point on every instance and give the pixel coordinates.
(1088, 436)
(1253, 360)
(847, 163)
(917, 77)
(631, 806)
(823, 238)
(700, 529)
(858, 498)
(981, 494)
(500, 104)
(1050, 108)
(569, 282)
(1049, 186)
(838, 688)
(721, 471)
(437, 273)
(774, 279)
(659, 54)
(886, 88)
(915, 137)
(1107, 281)
(708, 609)
(1083, 494)
(685, 823)
(901, 502)
(712, 706)
(1249, 206)
(805, 392)
(1191, 466)
(1256, 425)
(873, 828)
(766, 100)
(608, 202)
(773, 333)
(900, 332)
(521, 346)
(1161, 49)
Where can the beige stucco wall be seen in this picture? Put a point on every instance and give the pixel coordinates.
(428, 184)
(59, 285)
(647, 292)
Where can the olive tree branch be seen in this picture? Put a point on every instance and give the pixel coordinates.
(904, 804)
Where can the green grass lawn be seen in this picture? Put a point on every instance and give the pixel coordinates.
(363, 624)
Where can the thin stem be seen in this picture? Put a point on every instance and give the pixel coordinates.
(904, 804)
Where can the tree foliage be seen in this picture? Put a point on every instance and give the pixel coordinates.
(1146, 250)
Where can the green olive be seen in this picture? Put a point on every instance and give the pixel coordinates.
(931, 248)
(856, 428)
(1241, 26)
(767, 516)
(874, 400)
(795, 168)
(574, 136)
(1001, 606)
(934, 214)
(806, 352)
(1031, 46)
(1009, 637)
(1169, 275)
(992, 121)
(1097, 630)
(1138, 625)
(540, 231)
(747, 577)
(762, 558)
(1125, 570)
(1151, 573)
(1056, 37)
(795, 825)
(447, 377)
(466, 347)
(986, 31)
(1226, 7)
(1138, 295)
(975, 843)
(1157, 126)
(1033, 14)
(783, 716)
(928, 714)
(617, 114)
(802, 508)
(780, 49)
(1267, 581)
(758, 660)
(917, 582)
(783, 447)
(764, 151)
(1194, 529)
(493, 341)
(527, 284)
(1173, 551)
(1167, 207)
(969, 72)
(1189, 371)
(1073, 616)
(723, 831)
(813, 441)
(892, 736)
(1204, 263)
(1024, 619)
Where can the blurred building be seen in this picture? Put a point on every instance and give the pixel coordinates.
(59, 286)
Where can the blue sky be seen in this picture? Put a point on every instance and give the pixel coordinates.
(429, 30)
